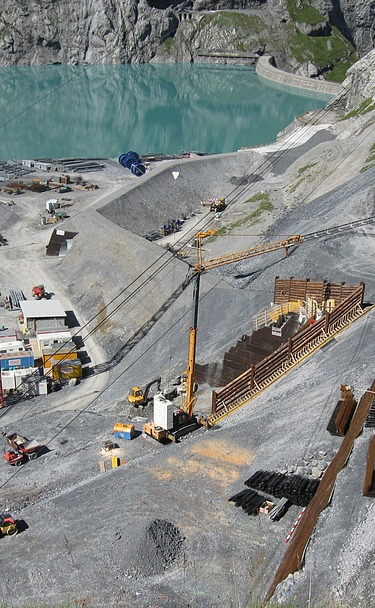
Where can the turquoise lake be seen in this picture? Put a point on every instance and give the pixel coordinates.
(102, 111)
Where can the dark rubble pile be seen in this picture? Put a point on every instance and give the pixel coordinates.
(158, 548)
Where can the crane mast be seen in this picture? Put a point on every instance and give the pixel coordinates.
(188, 405)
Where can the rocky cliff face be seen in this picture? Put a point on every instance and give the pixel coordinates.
(89, 31)
(352, 152)
(359, 84)
(307, 36)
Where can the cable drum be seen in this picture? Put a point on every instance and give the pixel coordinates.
(131, 161)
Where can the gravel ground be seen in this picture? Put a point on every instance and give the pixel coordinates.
(159, 530)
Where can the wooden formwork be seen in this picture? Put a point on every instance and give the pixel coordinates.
(343, 412)
(270, 315)
(300, 289)
(259, 376)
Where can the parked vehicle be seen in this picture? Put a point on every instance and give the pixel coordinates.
(21, 449)
(140, 397)
(39, 292)
(215, 204)
(8, 526)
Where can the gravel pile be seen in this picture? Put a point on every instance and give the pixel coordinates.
(158, 548)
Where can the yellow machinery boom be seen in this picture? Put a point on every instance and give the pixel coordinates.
(202, 266)
(188, 405)
(189, 402)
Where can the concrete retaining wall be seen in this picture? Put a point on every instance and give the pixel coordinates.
(269, 72)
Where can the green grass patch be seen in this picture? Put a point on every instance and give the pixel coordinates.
(228, 19)
(326, 52)
(295, 186)
(239, 30)
(167, 44)
(263, 198)
(305, 168)
(301, 171)
(370, 160)
(250, 219)
(367, 167)
(367, 105)
(304, 12)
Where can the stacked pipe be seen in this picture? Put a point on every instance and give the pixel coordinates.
(15, 297)
(297, 489)
(131, 161)
(249, 500)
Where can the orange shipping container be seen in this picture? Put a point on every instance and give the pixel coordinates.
(50, 360)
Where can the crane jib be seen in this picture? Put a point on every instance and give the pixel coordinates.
(282, 244)
(248, 253)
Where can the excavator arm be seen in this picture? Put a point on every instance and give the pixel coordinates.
(157, 381)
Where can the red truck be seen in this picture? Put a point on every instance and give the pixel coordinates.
(21, 449)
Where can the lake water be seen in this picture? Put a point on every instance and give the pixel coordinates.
(103, 111)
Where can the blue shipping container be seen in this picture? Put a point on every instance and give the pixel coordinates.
(18, 362)
(122, 435)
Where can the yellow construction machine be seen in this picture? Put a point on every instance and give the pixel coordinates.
(140, 397)
(215, 204)
(8, 526)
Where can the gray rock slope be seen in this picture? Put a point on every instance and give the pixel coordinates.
(104, 31)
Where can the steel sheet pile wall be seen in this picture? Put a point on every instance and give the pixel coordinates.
(297, 489)
(249, 384)
(341, 417)
(249, 500)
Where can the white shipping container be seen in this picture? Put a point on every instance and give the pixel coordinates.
(8, 380)
(52, 204)
(43, 387)
(48, 339)
(20, 374)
